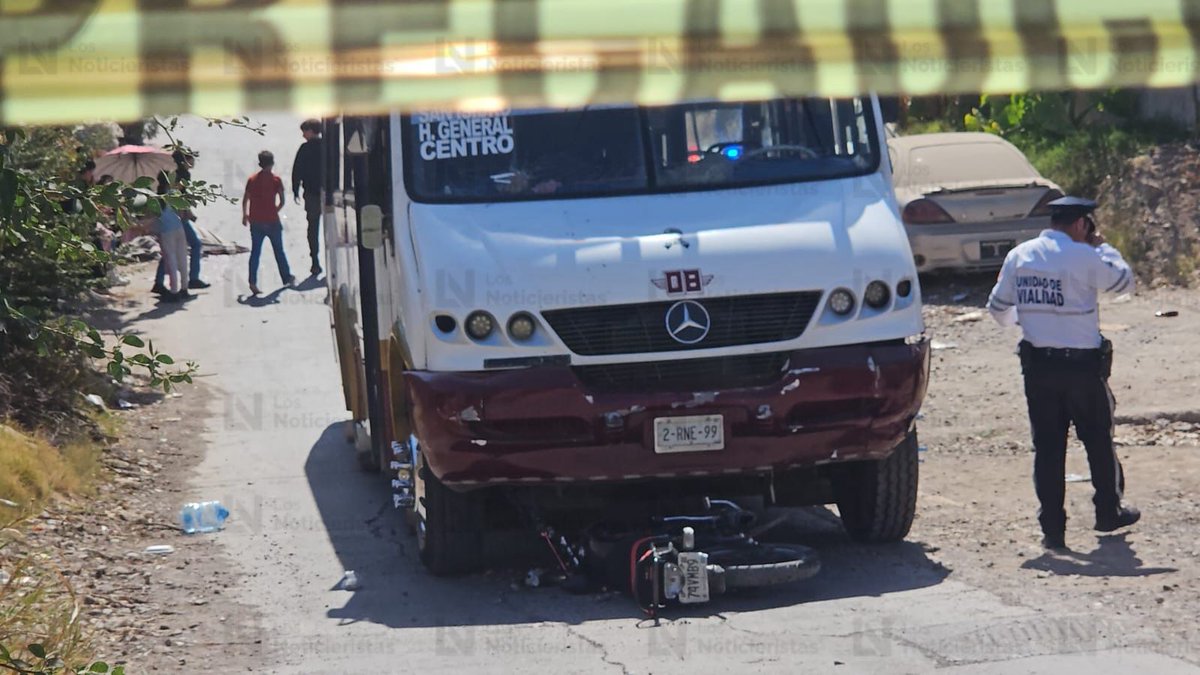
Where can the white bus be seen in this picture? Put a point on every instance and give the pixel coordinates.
(606, 307)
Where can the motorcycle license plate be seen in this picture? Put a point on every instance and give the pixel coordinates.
(692, 433)
(694, 566)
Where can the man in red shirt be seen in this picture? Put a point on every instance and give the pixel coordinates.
(261, 204)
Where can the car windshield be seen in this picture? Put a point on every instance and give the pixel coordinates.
(600, 151)
(962, 162)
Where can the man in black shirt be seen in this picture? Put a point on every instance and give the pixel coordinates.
(306, 173)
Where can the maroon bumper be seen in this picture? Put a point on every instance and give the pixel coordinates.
(542, 425)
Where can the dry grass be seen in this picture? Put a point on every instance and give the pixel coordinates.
(38, 606)
(32, 471)
(37, 603)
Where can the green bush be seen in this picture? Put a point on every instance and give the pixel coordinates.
(1081, 161)
(48, 262)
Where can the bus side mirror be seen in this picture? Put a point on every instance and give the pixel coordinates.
(889, 108)
(370, 222)
(356, 144)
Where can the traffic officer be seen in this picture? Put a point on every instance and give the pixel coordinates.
(1048, 286)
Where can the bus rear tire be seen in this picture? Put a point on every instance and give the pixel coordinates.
(450, 535)
(877, 500)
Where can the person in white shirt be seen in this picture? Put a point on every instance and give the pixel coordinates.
(1049, 286)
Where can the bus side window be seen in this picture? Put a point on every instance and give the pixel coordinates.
(379, 187)
(332, 159)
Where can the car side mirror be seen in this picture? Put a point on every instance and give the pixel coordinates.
(370, 227)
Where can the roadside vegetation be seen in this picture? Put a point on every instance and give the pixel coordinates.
(55, 360)
(40, 622)
(1085, 141)
(52, 354)
(1076, 139)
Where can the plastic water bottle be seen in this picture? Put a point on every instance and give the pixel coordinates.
(202, 517)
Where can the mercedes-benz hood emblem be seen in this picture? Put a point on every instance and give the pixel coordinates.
(688, 322)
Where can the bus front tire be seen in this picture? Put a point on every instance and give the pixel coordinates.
(877, 500)
(450, 535)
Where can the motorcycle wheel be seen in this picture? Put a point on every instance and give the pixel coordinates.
(758, 565)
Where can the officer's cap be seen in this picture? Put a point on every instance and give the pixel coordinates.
(1071, 207)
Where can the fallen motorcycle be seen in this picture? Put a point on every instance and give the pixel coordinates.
(686, 559)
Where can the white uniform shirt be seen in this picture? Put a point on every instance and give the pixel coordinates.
(1049, 285)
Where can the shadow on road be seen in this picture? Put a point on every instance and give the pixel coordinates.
(311, 283)
(271, 298)
(1114, 557)
(161, 309)
(371, 538)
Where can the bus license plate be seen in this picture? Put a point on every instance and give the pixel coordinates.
(694, 566)
(693, 433)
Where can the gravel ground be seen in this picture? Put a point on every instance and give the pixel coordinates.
(977, 503)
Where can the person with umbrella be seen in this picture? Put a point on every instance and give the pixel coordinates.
(183, 165)
(127, 164)
(173, 244)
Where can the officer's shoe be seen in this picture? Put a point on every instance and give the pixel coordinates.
(1054, 542)
(1124, 517)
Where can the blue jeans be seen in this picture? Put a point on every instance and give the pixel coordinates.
(274, 232)
(196, 251)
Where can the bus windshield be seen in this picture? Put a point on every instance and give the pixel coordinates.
(601, 151)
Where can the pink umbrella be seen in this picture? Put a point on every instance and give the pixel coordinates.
(131, 162)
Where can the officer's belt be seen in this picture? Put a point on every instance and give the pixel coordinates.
(1063, 353)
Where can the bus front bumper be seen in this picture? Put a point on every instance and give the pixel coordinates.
(542, 425)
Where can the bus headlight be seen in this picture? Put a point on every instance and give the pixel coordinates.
(480, 325)
(877, 295)
(521, 326)
(841, 301)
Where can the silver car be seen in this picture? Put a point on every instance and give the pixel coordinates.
(967, 198)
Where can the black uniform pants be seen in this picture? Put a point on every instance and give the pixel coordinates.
(1059, 394)
(312, 210)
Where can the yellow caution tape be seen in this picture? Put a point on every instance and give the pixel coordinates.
(70, 60)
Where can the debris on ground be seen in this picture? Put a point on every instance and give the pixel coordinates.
(95, 400)
(938, 345)
(212, 244)
(141, 249)
(349, 581)
(533, 578)
(160, 549)
(969, 317)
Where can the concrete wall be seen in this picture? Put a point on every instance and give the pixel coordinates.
(1178, 105)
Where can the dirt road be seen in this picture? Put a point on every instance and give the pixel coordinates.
(970, 592)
